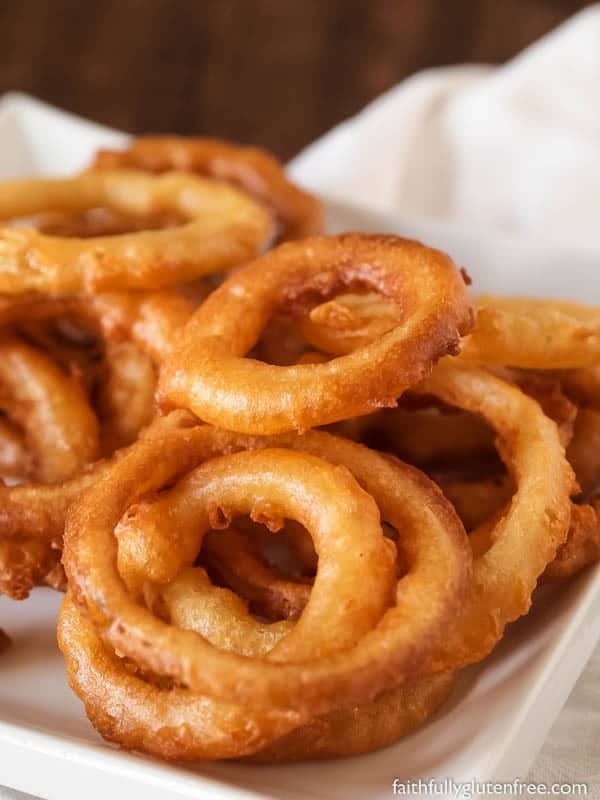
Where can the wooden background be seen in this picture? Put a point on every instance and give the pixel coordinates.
(274, 72)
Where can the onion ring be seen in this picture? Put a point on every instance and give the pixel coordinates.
(191, 602)
(172, 723)
(223, 229)
(534, 334)
(177, 725)
(536, 523)
(125, 626)
(255, 171)
(182, 726)
(209, 375)
(509, 331)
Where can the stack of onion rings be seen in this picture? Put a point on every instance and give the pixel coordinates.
(240, 585)
(405, 498)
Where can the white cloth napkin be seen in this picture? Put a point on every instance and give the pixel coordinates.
(517, 148)
(514, 148)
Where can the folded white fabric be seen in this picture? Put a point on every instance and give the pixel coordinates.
(515, 148)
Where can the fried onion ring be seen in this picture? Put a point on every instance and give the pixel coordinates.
(208, 372)
(509, 331)
(182, 725)
(255, 171)
(223, 228)
(101, 593)
(534, 334)
(176, 724)
(535, 524)
(192, 603)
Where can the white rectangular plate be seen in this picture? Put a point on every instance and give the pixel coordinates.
(501, 711)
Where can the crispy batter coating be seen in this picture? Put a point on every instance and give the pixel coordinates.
(222, 228)
(210, 375)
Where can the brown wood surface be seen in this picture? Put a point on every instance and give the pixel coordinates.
(274, 72)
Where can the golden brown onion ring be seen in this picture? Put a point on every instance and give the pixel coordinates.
(191, 602)
(527, 536)
(534, 334)
(509, 331)
(223, 228)
(176, 724)
(255, 171)
(172, 723)
(208, 372)
(393, 650)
